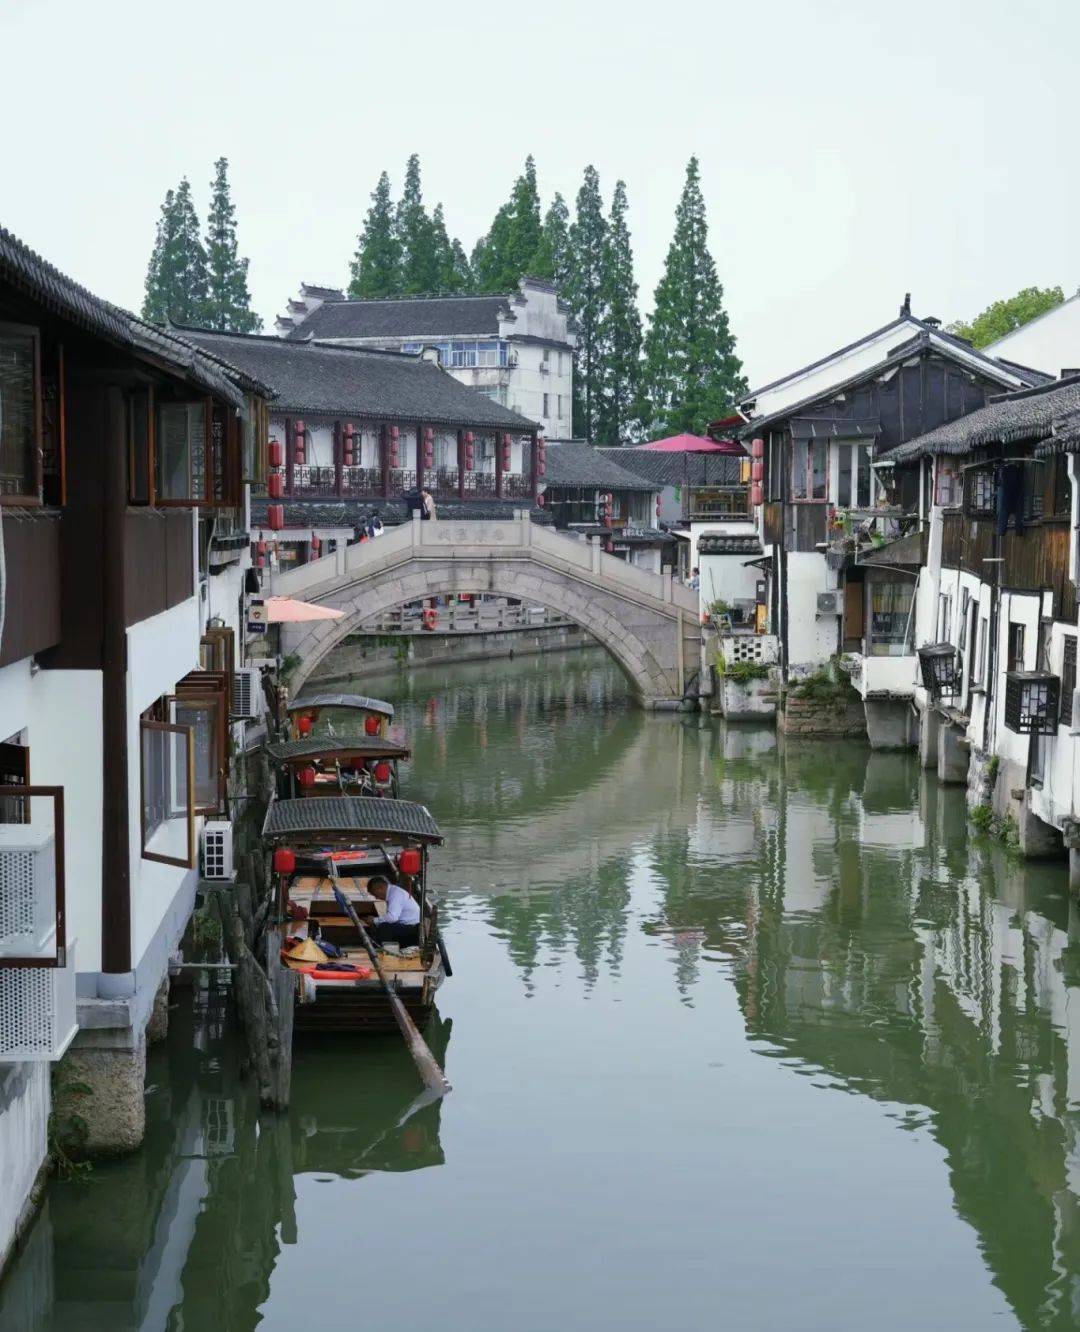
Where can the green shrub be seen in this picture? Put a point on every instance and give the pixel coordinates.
(822, 687)
(993, 768)
(982, 816)
(743, 672)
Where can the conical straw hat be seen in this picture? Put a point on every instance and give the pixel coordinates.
(306, 951)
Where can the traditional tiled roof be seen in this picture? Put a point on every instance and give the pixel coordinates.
(676, 469)
(357, 382)
(1008, 419)
(406, 317)
(350, 814)
(580, 465)
(67, 299)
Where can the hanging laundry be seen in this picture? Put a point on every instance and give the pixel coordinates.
(1010, 497)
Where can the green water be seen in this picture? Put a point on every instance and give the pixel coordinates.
(740, 1037)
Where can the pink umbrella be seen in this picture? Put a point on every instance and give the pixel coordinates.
(686, 443)
(285, 610)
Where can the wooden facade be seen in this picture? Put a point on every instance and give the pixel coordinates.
(32, 540)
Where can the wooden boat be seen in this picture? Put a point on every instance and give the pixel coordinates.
(323, 714)
(324, 765)
(323, 841)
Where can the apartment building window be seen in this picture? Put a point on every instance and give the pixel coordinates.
(20, 414)
(1068, 679)
(180, 455)
(559, 402)
(546, 412)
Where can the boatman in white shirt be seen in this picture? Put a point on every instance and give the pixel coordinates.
(400, 923)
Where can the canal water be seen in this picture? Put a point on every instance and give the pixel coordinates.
(742, 1035)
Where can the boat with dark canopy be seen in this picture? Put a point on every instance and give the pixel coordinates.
(321, 713)
(325, 843)
(359, 765)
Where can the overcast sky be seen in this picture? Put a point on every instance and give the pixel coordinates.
(850, 150)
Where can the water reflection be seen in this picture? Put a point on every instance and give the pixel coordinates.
(187, 1233)
(728, 945)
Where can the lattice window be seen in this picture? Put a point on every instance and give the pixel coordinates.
(981, 492)
(1068, 679)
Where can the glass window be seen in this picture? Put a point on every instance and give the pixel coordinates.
(180, 459)
(167, 775)
(19, 413)
(546, 412)
(853, 478)
(843, 478)
(1068, 678)
(808, 473)
(204, 718)
(890, 610)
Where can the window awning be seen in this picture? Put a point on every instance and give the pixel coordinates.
(807, 427)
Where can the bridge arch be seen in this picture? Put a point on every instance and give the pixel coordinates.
(648, 626)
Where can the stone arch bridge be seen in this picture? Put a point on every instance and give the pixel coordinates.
(646, 621)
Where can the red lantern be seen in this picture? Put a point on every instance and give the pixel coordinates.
(275, 516)
(300, 443)
(757, 495)
(757, 470)
(261, 562)
(275, 485)
(304, 724)
(348, 445)
(757, 449)
(541, 468)
(284, 860)
(382, 772)
(261, 547)
(371, 725)
(306, 777)
(469, 457)
(409, 861)
(470, 438)
(275, 453)
(392, 447)
(316, 544)
(540, 500)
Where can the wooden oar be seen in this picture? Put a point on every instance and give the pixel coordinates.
(426, 1063)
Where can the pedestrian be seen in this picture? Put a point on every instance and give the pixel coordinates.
(695, 580)
(427, 499)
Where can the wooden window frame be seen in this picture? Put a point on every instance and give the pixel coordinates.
(218, 700)
(231, 460)
(809, 445)
(146, 724)
(226, 637)
(30, 501)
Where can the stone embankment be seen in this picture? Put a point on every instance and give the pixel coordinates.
(840, 716)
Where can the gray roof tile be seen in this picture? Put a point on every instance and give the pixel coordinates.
(580, 465)
(1008, 419)
(404, 317)
(351, 381)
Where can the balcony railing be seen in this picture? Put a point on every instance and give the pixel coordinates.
(719, 502)
(310, 481)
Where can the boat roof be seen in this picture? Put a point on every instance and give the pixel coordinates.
(358, 701)
(328, 746)
(315, 816)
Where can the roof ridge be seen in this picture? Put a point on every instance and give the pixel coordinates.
(402, 300)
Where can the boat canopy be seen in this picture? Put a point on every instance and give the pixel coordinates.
(311, 748)
(357, 702)
(315, 817)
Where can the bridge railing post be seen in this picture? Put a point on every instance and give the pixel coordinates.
(526, 528)
(666, 590)
(594, 543)
(416, 532)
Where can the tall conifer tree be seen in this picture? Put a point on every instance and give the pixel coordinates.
(512, 247)
(618, 404)
(451, 264)
(551, 259)
(585, 293)
(416, 237)
(691, 370)
(376, 267)
(176, 283)
(489, 256)
(229, 301)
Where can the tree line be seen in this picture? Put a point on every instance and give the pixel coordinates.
(199, 281)
(633, 379)
(676, 371)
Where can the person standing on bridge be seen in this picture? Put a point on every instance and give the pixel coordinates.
(427, 503)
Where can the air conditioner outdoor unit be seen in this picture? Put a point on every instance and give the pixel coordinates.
(828, 603)
(27, 890)
(37, 1010)
(246, 693)
(217, 849)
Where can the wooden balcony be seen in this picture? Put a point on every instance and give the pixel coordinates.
(32, 614)
(315, 482)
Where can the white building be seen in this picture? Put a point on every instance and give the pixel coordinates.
(516, 349)
(123, 573)
(1050, 343)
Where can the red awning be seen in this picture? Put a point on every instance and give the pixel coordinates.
(686, 443)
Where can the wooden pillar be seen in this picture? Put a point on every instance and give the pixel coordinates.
(419, 455)
(338, 448)
(461, 464)
(535, 478)
(384, 458)
(115, 851)
(290, 444)
(499, 478)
